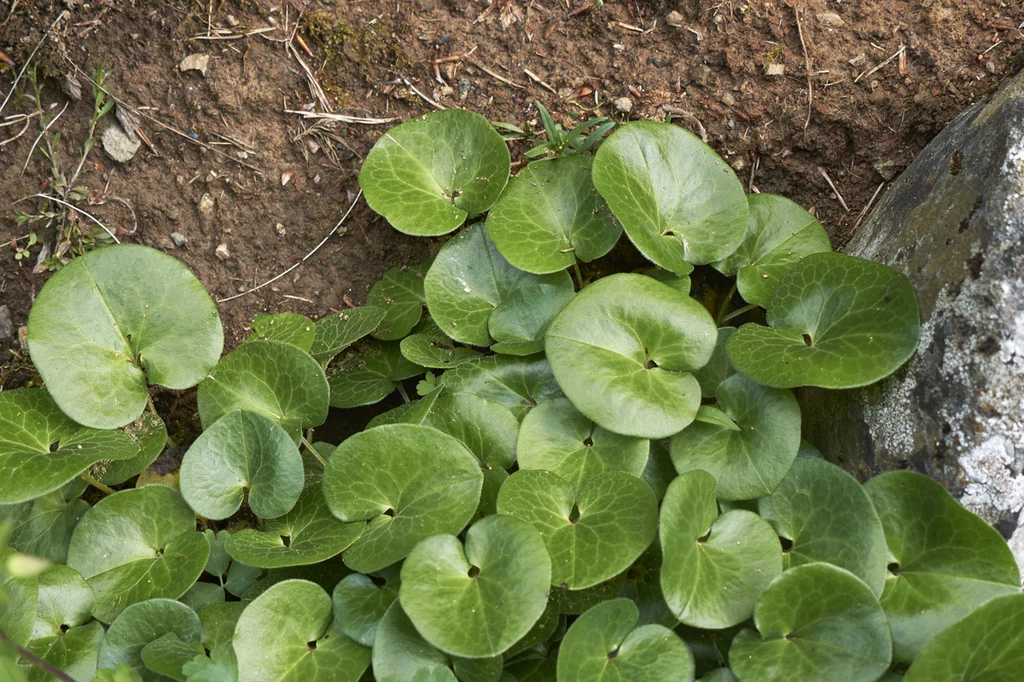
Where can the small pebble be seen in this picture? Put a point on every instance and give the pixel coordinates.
(623, 105)
(990, 66)
(179, 239)
(222, 252)
(232, 22)
(674, 19)
(728, 99)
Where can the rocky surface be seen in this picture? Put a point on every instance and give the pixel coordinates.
(954, 223)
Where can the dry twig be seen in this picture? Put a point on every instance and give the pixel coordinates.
(867, 208)
(341, 117)
(839, 196)
(807, 66)
(436, 105)
(536, 79)
(494, 75)
(895, 56)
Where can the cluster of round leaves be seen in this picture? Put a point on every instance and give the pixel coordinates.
(594, 485)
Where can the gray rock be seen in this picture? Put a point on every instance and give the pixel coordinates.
(6, 324)
(195, 62)
(623, 105)
(118, 145)
(206, 206)
(954, 223)
(179, 239)
(674, 19)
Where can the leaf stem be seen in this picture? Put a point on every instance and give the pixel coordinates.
(151, 407)
(579, 275)
(737, 313)
(401, 389)
(312, 451)
(726, 304)
(102, 487)
(35, 660)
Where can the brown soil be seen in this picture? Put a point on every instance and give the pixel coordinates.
(862, 125)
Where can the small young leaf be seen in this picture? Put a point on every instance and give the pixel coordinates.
(243, 455)
(400, 293)
(43, 527)
(130, 314)
(272, 378)
(603, 645)
(360, 604)
(835, 321)
(517, 383)
(288, 327)
(427, 175)
(816, 622)
(709, 414)
(435, 350)
(678, 201)
(218, 622)
(220, 666)
(718, 368)
(429, 484)
(335, 332)
(74, 651)
(150, 434)
(167, 654)
(400, 653)
(477, 601)
(752, 461)
(593, 534)
(65, 601)
(623, 351)
(946, 561)
(366, 374)
(142, 623)
(550, 215)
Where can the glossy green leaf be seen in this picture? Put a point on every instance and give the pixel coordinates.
(41, 449)
(149, 433)
(130, 314)
(946, 561)
(142, 623)
(718, 368)
(75, 651)
(721, 675)
(427, 175)
(715, 567)
(550, 215)
(367, 373)
(779, 234)
(816, 622)
(835, 321)
(678, 281)
(135, 545)
(519, 384)
(167, 654)
(218, 622)
(591, 535)
(285, 634)
(709, 414)
(435, 350)
(335, 332)
(556, 437)
(308, 534)
(43, 527)
(750, 462)
(65, 600)
(20, 598)
(987, 645)
(288, 327)
(477, 601)
(243, 455)
(678, 201)
(408, 482)
(710, 648)
(360, 603)
(603, 645)
(623, 351)
(326, 574)
(122, 673)
(485, 427)
(400, 653)
(470, 281)
(272, 378)
(203, 595)
(659, 471)
(826, 515)
(400, 293)
(220, 666)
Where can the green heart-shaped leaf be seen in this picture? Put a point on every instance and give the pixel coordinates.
(220, 666)
(679, 282)
(308, 534)
(678, 201)
(135, 545)
(988, 644)
(31, 425)
(623, 351)
(945, 560)
(435, 350)
(337, 331)
(142, 623)
(550, 215)
(427, 175)
(828, 517)
(400, 653)
(272, 378)
(168, 654)
(243, 455)
(485, 427)
(519, 322)
(603, 645)
(750, 462)
(591, 535)
(400, 293)
(477, 601)
(367, 373)
(519, 384)
(149, 433)
(130, 314)
(660, 471)
(779, 234)
(65, 600)
(556, 437)
(74, 652)
(218, 622)
(20, 600)
(409, 482)
(285, 634)
(816, 622)
(288, 327)
(718, 368)
(43, 527)
(715, 567)
(360, 604)
(835, 321)
(470, 280)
